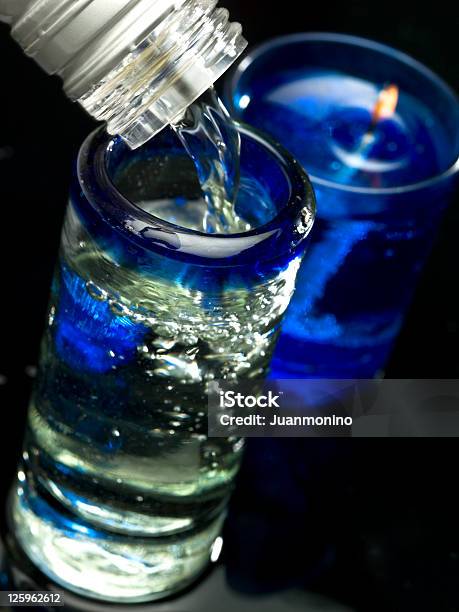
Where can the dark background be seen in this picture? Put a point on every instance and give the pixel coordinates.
(372, 522)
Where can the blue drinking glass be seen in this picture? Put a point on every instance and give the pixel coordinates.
(121, 494)
(378, 133)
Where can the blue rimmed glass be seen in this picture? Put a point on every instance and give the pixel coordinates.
(370, 242)
(120, 493)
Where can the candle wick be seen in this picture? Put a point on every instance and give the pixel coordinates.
(384, 108)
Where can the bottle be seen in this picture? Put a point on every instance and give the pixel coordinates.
(135, 64)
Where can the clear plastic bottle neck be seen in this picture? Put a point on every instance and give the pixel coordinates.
(135, 64)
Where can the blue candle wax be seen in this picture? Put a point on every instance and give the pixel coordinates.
(327, 121)
(379, 136)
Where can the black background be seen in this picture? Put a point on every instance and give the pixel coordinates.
(384, 510)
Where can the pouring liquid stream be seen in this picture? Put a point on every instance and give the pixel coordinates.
(211, 139)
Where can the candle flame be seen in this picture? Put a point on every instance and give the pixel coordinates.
(386, 103)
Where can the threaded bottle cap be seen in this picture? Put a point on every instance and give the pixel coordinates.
(136, 64)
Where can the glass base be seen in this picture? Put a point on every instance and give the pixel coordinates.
(100, 564)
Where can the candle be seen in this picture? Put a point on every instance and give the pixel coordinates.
(379, 135)
(326, 118)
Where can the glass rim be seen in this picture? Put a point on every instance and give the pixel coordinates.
(356, 41)
(153, 233)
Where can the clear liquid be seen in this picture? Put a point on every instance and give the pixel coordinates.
(212, 141)
(119, 477)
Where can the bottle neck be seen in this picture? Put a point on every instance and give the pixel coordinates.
(135, 64)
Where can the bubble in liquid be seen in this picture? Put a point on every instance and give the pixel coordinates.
(96, 292)
(335, 166)
(51, 316)
(118, 309)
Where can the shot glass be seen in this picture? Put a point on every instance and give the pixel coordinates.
(378, 133)
(121, 494)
